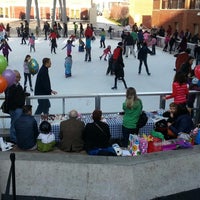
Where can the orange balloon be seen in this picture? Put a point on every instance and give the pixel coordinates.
(3, 84)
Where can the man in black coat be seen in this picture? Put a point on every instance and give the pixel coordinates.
(43, 87)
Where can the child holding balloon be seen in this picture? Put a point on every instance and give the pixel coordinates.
(27, 74)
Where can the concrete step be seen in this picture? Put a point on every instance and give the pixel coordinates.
(4, 132)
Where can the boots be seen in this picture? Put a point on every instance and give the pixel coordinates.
(5, 146)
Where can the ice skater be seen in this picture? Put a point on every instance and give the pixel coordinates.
(5, 48)
(68, 66)
(32, 42)
(106, 52)
(69, 46)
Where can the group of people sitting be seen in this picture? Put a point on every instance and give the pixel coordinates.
(94, 137)
(75, 136)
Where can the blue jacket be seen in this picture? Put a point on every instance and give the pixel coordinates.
(26, 131)
(182, 123)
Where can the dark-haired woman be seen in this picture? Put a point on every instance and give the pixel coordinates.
(180, 89)
(96, 134)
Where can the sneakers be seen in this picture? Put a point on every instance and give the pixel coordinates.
(5, 146)
(100, 57)
(149, 74)
(114, 88)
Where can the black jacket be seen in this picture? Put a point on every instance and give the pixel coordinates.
(142, 54)
(43, 85)
(95, 137)
(15, 97)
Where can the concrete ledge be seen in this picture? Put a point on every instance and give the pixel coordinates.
(68, 175)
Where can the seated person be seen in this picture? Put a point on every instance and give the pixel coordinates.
(71, 131)
(96, 135)
(46, 139)
(170, 114)
(26, 129)
(163, 124)
(182, 123)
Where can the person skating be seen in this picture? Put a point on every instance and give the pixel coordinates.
(142, 57)
(118, 65)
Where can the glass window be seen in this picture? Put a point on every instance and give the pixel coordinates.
(195, 4)
(173, 4)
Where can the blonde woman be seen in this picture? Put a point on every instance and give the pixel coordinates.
(132, 109)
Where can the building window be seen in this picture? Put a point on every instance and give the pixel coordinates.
(173, 4)
(195, 4)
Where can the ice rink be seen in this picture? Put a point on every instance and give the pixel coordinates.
(91, 78)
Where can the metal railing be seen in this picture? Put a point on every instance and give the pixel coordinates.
(99, 96)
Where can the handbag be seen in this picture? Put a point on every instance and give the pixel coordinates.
(142, 120)
(4, 107)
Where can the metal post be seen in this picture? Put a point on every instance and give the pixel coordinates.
(63, 106)
(53, 12)
(64, 16)
(12, 158)
(37, 13)
(162, 102)
(98, 102)
(28, 10)
(61, 10)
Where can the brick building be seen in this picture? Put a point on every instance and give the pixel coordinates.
(180, 14)
(75, 9)
(140, 11)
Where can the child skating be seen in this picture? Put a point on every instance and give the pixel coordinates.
(106, 52)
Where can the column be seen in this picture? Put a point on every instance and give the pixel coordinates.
(28, 10)
(37, 13)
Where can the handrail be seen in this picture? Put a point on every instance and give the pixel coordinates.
(98, 96)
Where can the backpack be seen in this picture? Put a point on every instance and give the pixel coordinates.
(142, 120)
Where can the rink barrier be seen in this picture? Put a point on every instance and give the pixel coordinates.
(161, 44)
(98, 100)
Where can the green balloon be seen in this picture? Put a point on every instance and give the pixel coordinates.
(3, 64)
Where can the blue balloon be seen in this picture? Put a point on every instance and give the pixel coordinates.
(33, 66)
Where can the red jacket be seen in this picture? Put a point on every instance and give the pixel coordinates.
(179, 93)
(181, 58)
(88, 32)
(53, 35)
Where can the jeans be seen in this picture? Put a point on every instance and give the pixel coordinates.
(14, 115)
(145, 64)
(27, 76)
(43, 106)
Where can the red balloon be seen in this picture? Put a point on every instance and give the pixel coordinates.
(197, 71)
(3, 84)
